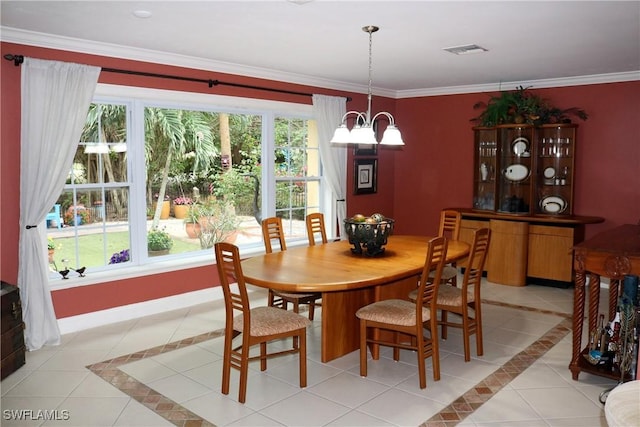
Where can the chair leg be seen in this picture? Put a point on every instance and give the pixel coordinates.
(270, 298)
(421, 360)
(244, 373)
(435, 349)
(443, 322)
(312, 308)
(302, 355)
(226, 363)
(465, 337)
(478, 324)
(396, 350)
(263, 356)
(363, 348)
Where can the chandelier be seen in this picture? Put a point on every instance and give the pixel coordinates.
(363, 128)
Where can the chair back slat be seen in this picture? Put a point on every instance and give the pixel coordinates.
(477, 258)
(450, 224)
(232, 281)
(315, 225)
(272, 230)
(428, 287)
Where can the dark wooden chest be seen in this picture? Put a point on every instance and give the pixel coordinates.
(12, 346)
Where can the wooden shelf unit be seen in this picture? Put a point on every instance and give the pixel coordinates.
(613, 253)
(524, 169)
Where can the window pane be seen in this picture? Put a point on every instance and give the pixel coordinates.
(202, 164)
(95, 227)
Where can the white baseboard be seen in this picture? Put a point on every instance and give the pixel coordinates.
(133, 311)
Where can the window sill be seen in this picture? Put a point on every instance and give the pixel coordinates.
(133, 271)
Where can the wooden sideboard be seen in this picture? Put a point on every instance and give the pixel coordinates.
(528, 248)
(613, 254)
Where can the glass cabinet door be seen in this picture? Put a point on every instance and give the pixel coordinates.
(484, 181)
(556, 149)
(515, 159)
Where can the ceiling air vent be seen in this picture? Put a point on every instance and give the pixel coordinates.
(466, 49)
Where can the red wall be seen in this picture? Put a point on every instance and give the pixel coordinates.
(433, 170)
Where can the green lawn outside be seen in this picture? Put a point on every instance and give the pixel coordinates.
(91, 245)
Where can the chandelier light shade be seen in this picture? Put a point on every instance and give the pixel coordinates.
(363, 129)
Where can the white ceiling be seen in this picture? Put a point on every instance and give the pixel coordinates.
(322, 43)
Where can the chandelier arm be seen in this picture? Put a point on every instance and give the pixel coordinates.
(387, 115)
(358, 115)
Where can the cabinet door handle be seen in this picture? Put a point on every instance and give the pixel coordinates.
(16, 310)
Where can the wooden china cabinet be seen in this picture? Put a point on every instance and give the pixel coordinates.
(523, 190)
(525, 170)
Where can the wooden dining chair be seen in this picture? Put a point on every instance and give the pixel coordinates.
(409, 318)
(272, 231)
(465, 301)
(258, 325)
(315, 226)
(450, 228)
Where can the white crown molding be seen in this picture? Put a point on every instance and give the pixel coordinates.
(51, 41)
(537, 84)
(31, 38)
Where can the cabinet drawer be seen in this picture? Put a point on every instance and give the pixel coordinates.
(10, 309)
(11, 363)
(12, 340)
(551, 231)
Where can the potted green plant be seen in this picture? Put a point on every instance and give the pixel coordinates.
(191, 221)
(51, 248)
(218, 222)
(521, 106)
(159, 242)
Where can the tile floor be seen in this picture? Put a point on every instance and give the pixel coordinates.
(165, 370)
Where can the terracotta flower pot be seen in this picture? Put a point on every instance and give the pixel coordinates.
(192, 229)
(166, 209)
(180, 211)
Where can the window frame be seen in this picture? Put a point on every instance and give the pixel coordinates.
(136, 99)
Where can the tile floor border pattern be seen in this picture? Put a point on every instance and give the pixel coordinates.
(451, 415)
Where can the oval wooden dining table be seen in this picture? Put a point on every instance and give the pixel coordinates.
(347, 281)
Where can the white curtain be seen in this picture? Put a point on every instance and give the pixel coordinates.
(55, 99)
(328, 112)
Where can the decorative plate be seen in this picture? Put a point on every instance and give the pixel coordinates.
(553, 204)
(516, 172)
(520, 146)
(549, 172)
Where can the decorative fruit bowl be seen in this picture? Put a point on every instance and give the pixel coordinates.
(368, 235)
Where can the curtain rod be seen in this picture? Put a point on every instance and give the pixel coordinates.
(19, 59)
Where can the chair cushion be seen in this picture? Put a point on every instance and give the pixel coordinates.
(296, 295)
(450, 295)
(270, 320)
(392, 311)
(448, 273)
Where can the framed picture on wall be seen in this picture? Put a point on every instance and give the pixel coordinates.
(365, 179)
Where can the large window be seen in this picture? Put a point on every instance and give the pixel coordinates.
(155, 180)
